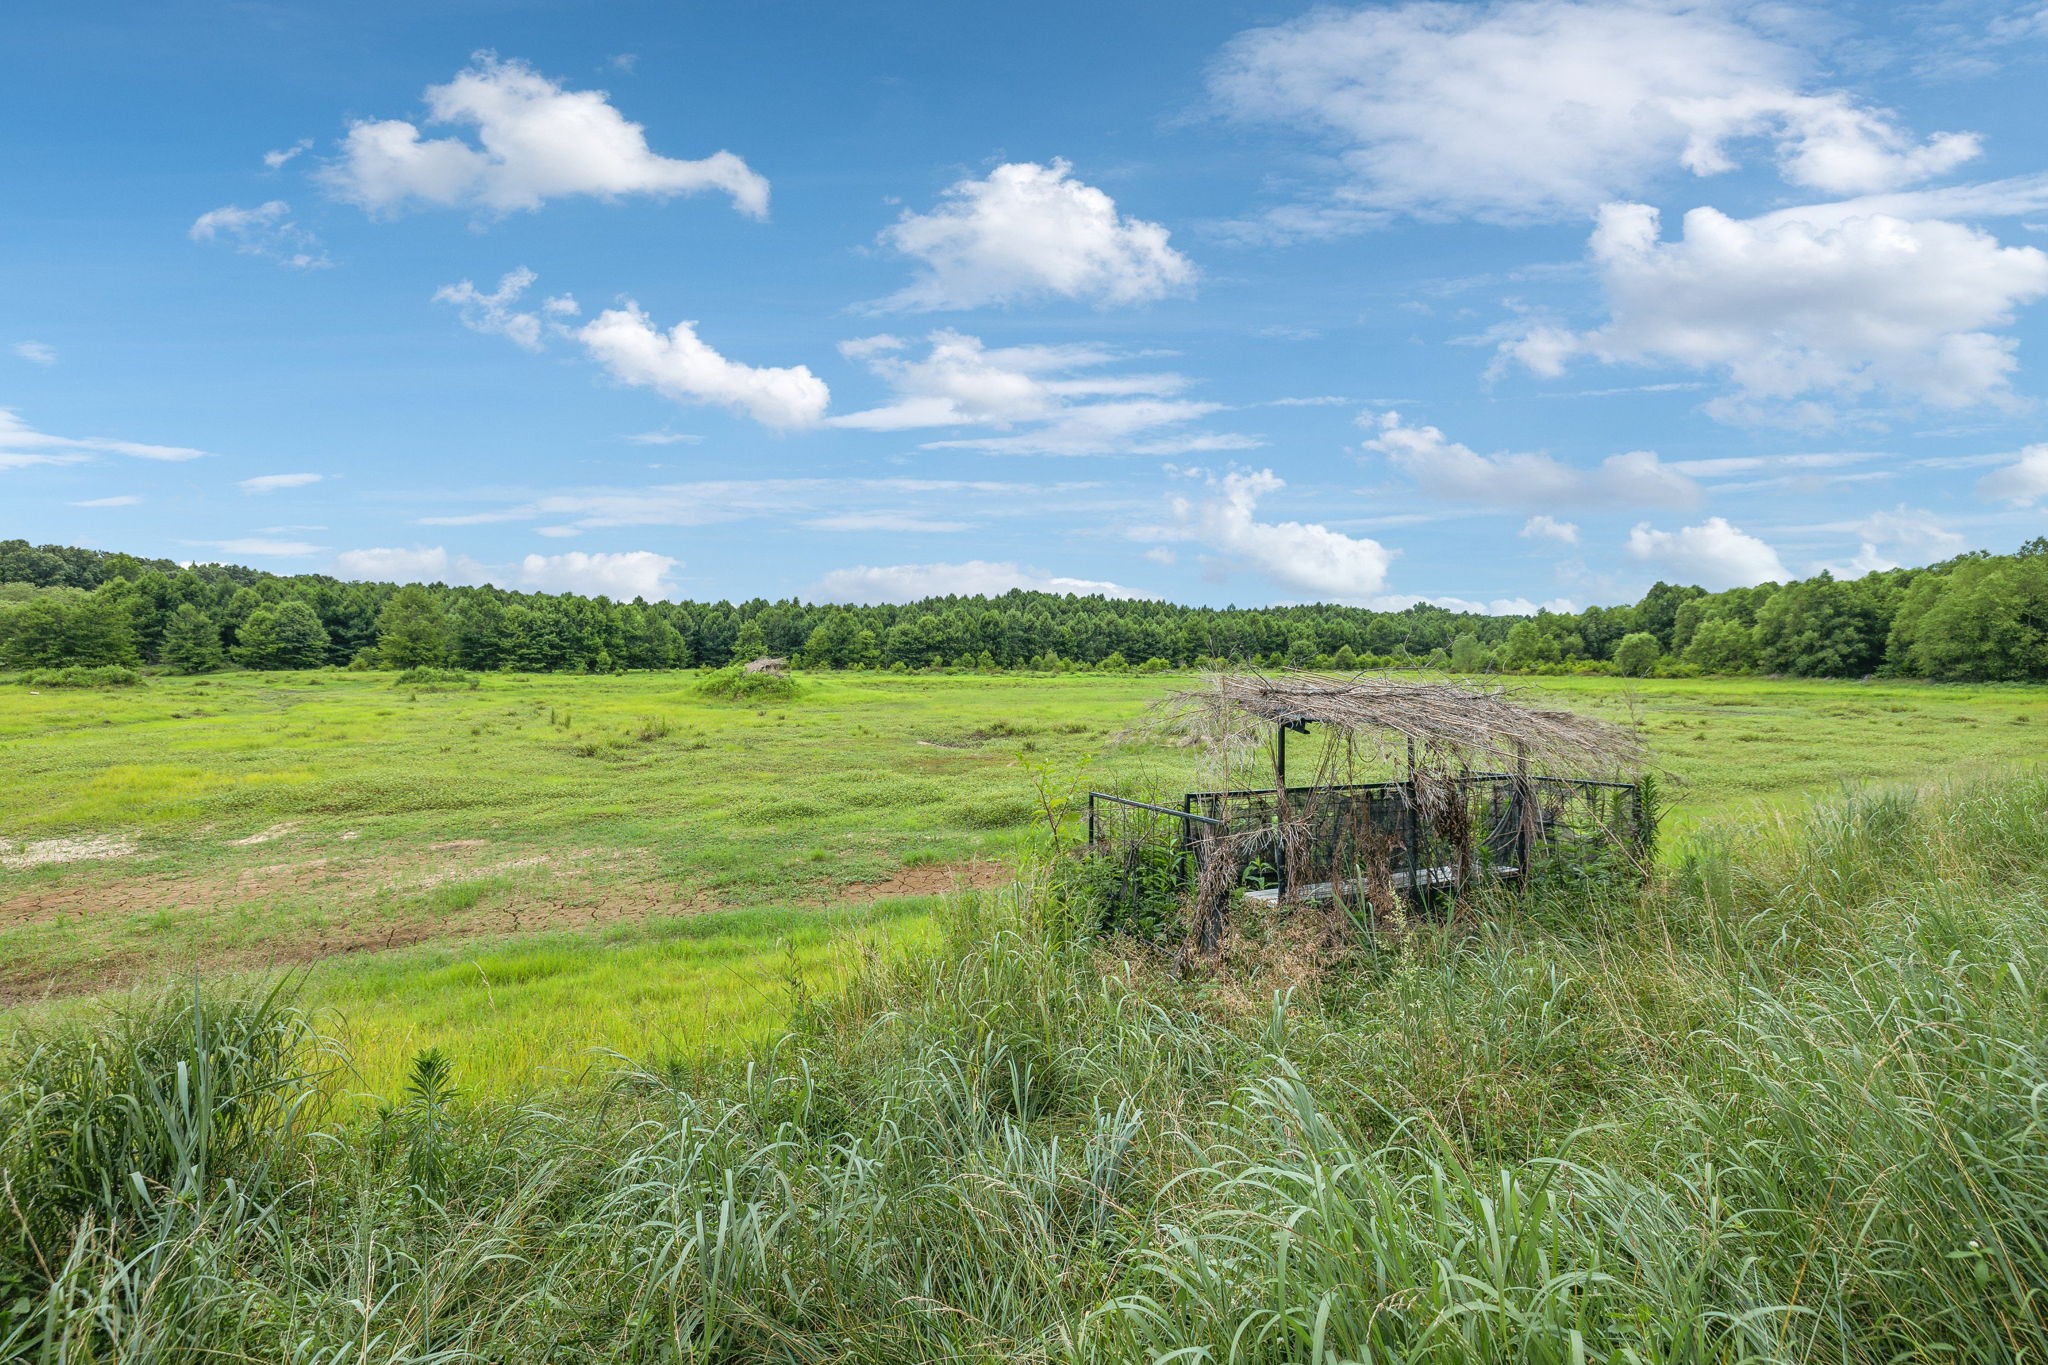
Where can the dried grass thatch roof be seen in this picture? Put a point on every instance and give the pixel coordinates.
(1442, 717)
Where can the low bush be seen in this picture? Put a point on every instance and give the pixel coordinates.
(84, 675)
(427, 679)
(734, 683)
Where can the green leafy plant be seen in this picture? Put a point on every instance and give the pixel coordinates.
(427, 678)
(84, 675)
(736, 684)
(421, 1127)
(1058, 788)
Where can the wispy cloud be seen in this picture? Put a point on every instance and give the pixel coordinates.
(912, 582)
(265, 231)
(798, 501)
(261, 547)
(278, 158)
(21, 444)
(1043, 400)
(272, 483)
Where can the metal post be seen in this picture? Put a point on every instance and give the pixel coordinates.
(1524, 816)
(1091, 819)
(1414, 830)
(1280, 814)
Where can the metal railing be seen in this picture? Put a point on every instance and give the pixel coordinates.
(1508, 824)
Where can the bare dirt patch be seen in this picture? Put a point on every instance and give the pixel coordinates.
(19, 857)
(559, 889)
(551, 906)
(341, 877)
(338, 903)
(265, 836)
(927, 879)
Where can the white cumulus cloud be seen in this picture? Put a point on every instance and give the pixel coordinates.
(36, 352)
(1444, 468)
(1713, 555)
(624, 575)
(1305, 556)
(418, 565)
(2023, 483)
(678, 364)
(1545, 527)
(1886, 539)
(1029, 231)
(535, 141)
(913, 582)
(1546, 108)
(266, 231)
(1795, 311)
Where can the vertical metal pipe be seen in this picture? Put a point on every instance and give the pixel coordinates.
(1525, 816)
(1280, 810)
(1413, 832)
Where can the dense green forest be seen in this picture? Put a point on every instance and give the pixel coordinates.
(1977, 617)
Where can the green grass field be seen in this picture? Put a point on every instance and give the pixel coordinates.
(530, 869)
(1781, 1105)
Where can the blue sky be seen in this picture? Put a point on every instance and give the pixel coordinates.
(1496, 304)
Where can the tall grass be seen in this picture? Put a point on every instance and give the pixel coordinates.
(1788, 1104)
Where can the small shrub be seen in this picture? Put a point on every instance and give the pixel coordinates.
(84, 675)
(1136, 890)
(996, 813)
(734, 683)
(427, 679)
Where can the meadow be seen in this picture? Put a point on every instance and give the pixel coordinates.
(1782, 1104)
(540, 866)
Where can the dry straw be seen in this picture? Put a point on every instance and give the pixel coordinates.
(1451, 725)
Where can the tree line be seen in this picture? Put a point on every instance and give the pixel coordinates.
(1977, 617)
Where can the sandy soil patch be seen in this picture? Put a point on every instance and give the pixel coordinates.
(19, 857)
(265, 836)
